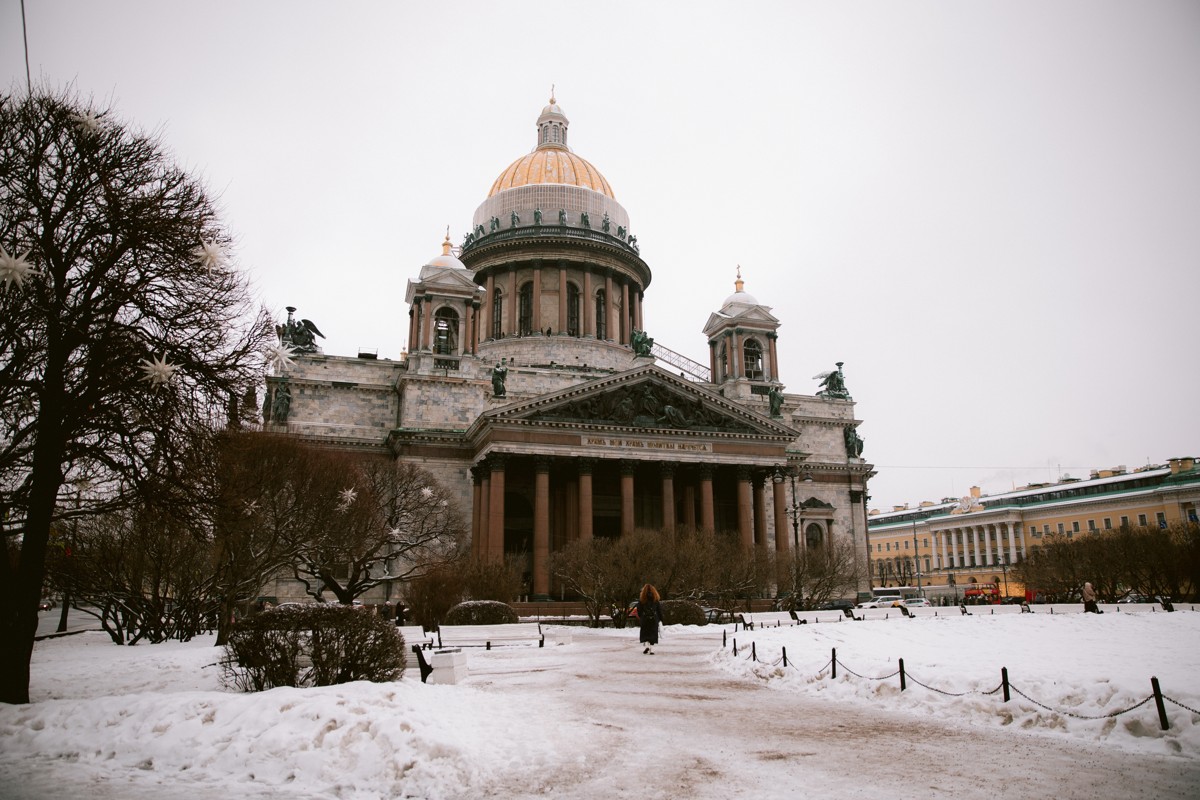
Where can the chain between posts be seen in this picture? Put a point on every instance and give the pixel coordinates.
(1004, 685)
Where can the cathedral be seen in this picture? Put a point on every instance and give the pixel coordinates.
(531, 389)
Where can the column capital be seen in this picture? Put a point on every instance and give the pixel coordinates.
(586, 465)
(628, 466)
(542, 463)
(667, 468)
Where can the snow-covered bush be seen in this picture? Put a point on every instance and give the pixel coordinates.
(312, 645)
(481, 612)
(682, 612)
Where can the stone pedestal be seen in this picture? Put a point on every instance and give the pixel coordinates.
(449, 666)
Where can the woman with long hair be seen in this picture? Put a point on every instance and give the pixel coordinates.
(649, 611)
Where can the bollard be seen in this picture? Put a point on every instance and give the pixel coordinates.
(1004, 682)
(834, 662)
(735, 647)
(487, 646)
(1051, 609)
(1158, 701)
(785, 656)
(753, 652)
(903, 682)
(724, 639)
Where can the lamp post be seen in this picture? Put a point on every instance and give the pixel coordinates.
(917, 560)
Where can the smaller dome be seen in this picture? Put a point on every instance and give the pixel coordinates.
(447, 260)
(740, 296)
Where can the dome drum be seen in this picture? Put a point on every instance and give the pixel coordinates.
(574, 201)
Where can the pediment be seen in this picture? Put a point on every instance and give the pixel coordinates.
(442, 280)
(644, 398)
(753, 316)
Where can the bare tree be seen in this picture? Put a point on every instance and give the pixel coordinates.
(372, 521)
(122, 329)
(812, 576)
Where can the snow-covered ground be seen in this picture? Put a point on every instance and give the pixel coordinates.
(597, 719)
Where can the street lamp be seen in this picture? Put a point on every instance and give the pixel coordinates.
(917, 560)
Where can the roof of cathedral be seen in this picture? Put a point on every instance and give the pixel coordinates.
(740, 296)
(551, 162)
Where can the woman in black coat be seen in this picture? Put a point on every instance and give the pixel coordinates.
(649, 612)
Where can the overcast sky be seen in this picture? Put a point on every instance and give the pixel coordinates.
(989, 211)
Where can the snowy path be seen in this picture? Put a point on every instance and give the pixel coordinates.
(672, 726)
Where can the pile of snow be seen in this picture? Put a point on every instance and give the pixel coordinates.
(1068, 672)
(105, 713)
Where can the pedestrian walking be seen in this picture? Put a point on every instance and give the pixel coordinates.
(1089, 599)
(649, 611)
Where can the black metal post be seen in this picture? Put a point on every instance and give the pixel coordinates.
(834, 662)
(903, 682)
(1158, 701)
(753, 652)
(1004, 682)
(785, 656)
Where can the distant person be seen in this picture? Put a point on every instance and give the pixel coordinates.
(401, 609)
(1089, 599)
(649, 613)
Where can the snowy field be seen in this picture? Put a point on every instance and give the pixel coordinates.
(564, 721)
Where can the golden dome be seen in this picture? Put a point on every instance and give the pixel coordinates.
(551, 165)
(552, 162)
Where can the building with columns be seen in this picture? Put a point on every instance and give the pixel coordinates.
(958, 546)
(529, 387)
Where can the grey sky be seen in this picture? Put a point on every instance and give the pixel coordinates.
(989, 211)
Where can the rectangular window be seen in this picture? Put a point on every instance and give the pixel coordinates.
(1091, 524)
(1075, 526)
(1033, 530)
(1046, 529)
(906, 544)
(1142, 520)
(1108, 523)
(1124, 522)
(1062, 528)
(925, 543)
(927, 563)
(888, 546)
(1161, 518)
(878, 548)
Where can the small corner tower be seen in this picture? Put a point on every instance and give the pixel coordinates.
(741, 345)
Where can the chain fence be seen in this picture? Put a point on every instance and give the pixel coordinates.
(831, 668)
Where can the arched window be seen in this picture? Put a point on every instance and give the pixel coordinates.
(497, 313)
(752, 352)
(814, 536)
(601, 315)
(525, 309)
(572, 310)
(445, 332)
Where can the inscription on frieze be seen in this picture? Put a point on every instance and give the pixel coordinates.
(645, 444)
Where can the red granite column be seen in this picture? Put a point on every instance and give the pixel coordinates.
(496, 511)
(541, 527)
(744, 507)
(485, 491)
(562, 297)
(476, 504)
(760, 510)
(668, 495)
(782, 534)
(627, 469)
(585, 498)
(588, 306)
(536, 316)
(708, 518)
(427, 323)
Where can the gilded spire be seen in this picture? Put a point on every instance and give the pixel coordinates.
(739, 284)
(446, 246)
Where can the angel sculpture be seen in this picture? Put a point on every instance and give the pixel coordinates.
(300, 335)
(834, 383)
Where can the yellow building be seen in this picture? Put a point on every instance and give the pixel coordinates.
(959, 549)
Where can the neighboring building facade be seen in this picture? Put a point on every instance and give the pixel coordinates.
(530, 388)
(956, 548)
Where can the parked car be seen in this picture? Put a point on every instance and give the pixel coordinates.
(885, 601)
(721, 616)
(46, 604)
(915, 602)
(836, 605)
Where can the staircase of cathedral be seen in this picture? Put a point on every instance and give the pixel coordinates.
(692, 370)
